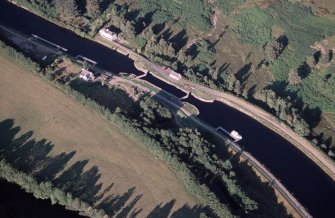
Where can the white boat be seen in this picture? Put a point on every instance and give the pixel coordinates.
(235, 135)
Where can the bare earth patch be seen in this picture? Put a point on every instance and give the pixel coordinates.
(122, 164)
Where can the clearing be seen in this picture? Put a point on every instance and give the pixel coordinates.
(102, 166)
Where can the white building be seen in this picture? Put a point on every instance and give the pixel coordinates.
(86, 75)
(106, 33)
(172, 73)
(175, 75)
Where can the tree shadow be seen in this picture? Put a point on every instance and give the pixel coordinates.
(280, 88)
(141, 23)
(28, 154)
(128, 208)
(82, 184)
(330, 55)
(192, 51)
(317, 56)
(179, 40)
(157, 28)
(132, 15)
(112, 204)
(304, 70)
(166, 34)
(312, 116)
(244, 73)
(283, 40)
(188, 211)
(104, 4)
(110, 97)
(33, 157)
(162, 210)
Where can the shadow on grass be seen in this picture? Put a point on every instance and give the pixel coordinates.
(34, 157)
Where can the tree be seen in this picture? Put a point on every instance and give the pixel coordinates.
(66, 9)
(294, 78)
(237, 87)
(93, 8)
(300, 126)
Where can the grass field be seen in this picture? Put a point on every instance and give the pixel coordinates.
(98, 163)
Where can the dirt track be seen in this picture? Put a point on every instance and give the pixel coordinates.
(116, 161)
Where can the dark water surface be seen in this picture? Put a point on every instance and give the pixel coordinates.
(309, 184)
(15, 202)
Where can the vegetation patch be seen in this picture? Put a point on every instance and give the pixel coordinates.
(254, 26)
(193, 12)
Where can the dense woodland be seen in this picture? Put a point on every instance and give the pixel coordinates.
(220, 182)
(285, 76)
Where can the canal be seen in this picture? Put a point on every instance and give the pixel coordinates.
(15, 202)
(309, 184)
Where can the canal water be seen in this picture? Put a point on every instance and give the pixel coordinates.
(15, 202)
(309, 184)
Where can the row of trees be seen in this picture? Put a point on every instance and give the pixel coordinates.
(284, 110)
(46, 190)
(67, 10)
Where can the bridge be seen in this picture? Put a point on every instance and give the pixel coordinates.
(86, 59)
(50, 43)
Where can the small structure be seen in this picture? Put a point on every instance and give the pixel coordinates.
(106, 33)
(86, 59)
(235, 135)
(172, 74)
(175, 75)
(86, 75)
